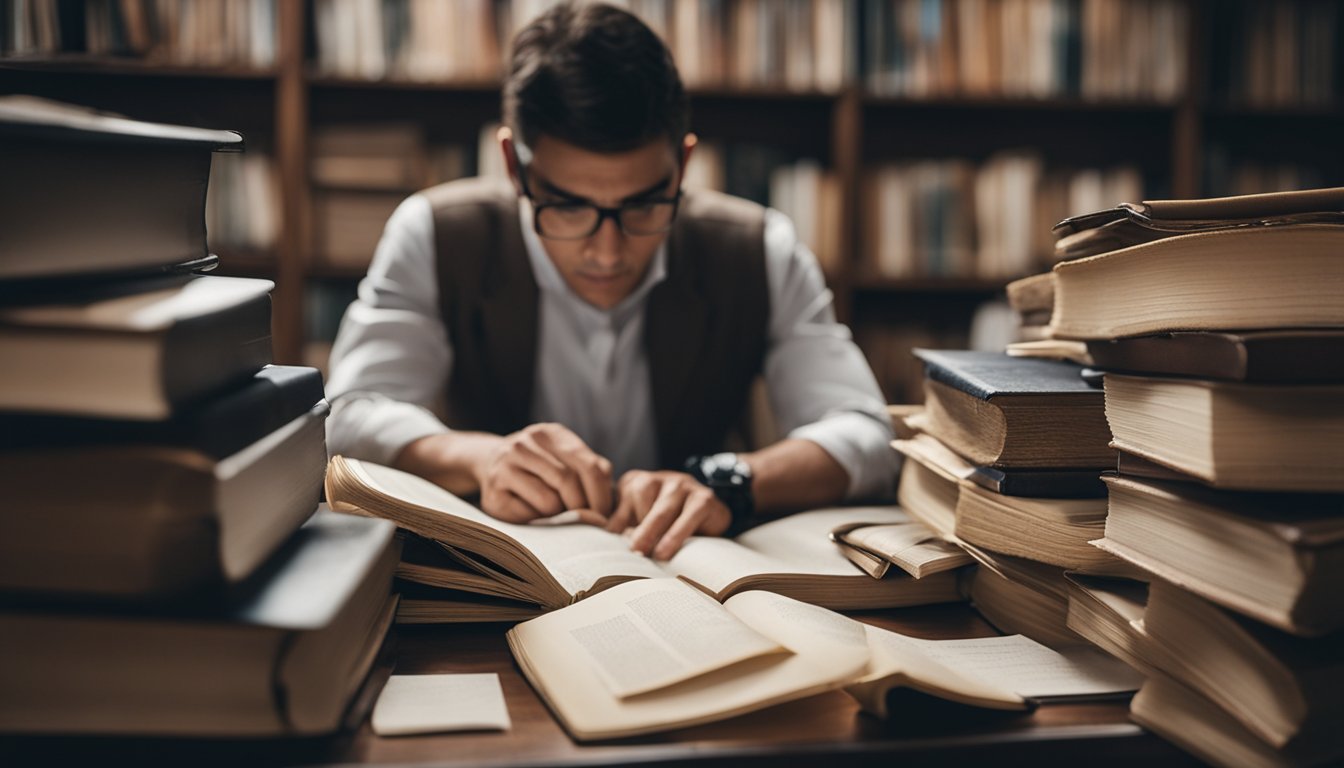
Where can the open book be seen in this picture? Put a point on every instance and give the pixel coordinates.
(656, 654)
(555, 565)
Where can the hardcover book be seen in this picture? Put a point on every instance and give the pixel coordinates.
(68, 209)
(1023, 413)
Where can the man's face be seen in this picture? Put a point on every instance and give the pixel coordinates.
(605, 267)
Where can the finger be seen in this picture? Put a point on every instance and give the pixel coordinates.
(664, 512)
(624, 514)
(594, 471)
(701, 513)
(590, 517)
(530, 488)
(536, 459)
(510, 509)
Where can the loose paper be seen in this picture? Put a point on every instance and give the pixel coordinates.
(411, 704)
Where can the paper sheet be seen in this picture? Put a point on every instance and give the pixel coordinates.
(412, 704)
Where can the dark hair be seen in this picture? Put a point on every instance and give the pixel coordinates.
(596, 77)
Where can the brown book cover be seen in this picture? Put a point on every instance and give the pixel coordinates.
(1298, 356)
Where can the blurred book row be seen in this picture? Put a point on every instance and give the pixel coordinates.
(798, 44)
(190, 32)
(1260, 54)
(1096, 49)
(1277, 54)
(164, 566)
(952, 218)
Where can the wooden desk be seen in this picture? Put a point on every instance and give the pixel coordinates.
(825, 728)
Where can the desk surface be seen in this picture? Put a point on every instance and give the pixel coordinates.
(825, 727)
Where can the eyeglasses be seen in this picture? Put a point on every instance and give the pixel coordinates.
(576, 221)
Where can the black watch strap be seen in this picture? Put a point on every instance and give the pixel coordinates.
(729, 477)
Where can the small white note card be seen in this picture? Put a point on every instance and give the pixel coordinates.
(412, 704)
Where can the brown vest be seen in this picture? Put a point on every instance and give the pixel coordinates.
(705, 328)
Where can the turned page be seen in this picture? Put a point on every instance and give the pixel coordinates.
(576, 555)
(798, 543)
(647, 635)
(1012, 666)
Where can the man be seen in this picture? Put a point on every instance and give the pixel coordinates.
(596, 328)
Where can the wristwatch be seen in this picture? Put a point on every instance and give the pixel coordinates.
(730, 479)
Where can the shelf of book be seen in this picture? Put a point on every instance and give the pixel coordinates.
(831, 118)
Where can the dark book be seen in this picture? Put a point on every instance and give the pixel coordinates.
(216, 427)
(140, 353)
(284, 657)
(150, 523)
(1276, 557)
(1001, 411)
(91, 193)
(1040, 483)
(1296, 356)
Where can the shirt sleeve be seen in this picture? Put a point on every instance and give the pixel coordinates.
(391, 358)
(820, 386)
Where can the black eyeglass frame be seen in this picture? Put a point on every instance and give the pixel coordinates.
(602, 213)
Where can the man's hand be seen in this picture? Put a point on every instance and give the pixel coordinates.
(539, 471)
(543, 470)
(666, 508)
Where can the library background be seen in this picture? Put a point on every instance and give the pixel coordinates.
(924, 149)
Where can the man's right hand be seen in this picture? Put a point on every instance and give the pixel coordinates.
(539, 471)
(543, 470)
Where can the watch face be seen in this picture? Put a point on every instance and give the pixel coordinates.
(727, 469)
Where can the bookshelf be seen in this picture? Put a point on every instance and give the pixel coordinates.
(1204, 137)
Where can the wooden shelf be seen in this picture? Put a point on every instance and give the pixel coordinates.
(1294, 112)
(949, 285)
(117, 66)
(1072, 104)
(334, 82)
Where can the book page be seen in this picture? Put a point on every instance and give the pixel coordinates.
(575, 554)
(893, 654)
(913, 546)
(795, 544)
(564, 677)
(803, 628)
(1021, 665)
(652, 633)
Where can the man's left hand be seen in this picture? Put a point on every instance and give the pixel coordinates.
(666, 508)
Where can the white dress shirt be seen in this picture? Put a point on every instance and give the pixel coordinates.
(392, 358)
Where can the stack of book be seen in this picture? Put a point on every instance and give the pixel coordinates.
(1005, 460)
(361, 172)
(1220, 329)
(161, 567)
